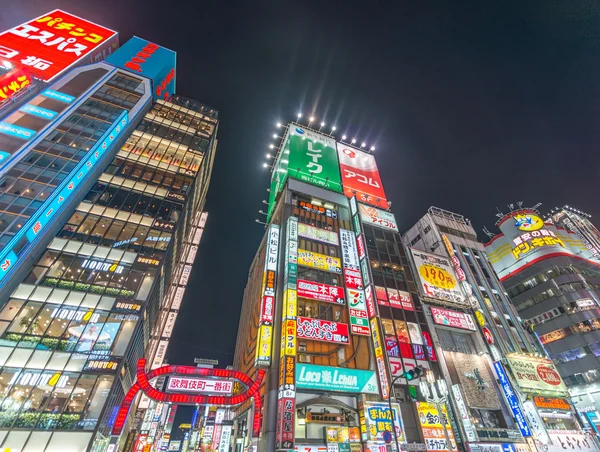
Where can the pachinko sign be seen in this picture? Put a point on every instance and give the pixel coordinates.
(13, 82)
(50, 44)
(320, 292)
(378, 217)
(322, 330)
(536, 375)
(319, 261)
(360, 176)
(437, 278)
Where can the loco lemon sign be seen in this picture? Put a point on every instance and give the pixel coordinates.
(325, 378)
(437, 277)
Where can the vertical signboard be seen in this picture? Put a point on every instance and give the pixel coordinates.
(435, 426)
(267, 300)
(369, 292)
(286, 400)
(464, 413)
(360, 176)
(511, 399)
(359, 323)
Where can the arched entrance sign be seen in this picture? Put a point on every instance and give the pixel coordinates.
(143, 384)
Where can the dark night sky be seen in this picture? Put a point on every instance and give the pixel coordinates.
(470, 107)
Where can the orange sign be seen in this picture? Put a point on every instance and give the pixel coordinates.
(553, 403)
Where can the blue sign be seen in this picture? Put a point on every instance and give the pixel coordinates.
(16, 131)
(4, 156)
(66, 98)
(150, 60)
(511, 398)
(38, 111)
(56, 201)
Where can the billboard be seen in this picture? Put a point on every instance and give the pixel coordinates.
(50, 44)
(13, 82)
(321, 235)
(360, 176)
(320, 292)
(378, 420)
(197, 385)
(150, 60)
(319, 261)
(431, 426)
(454, 319)
(357, 307)
(322, 330)
(395, 298)
(437, 278)
(537, 375)
(340, 379)
(377, 217)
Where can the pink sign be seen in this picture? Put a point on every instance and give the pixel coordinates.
(320, 292)
(453, 318)
(185, 384)
(322, 330)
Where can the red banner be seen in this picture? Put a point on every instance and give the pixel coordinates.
(353, 279)
(394, 298)
(360, 176)
(322, 330)
(48, 45)
(320, 292)
(13, 82)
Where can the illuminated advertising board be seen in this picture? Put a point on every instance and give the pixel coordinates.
(360, 176)
(454, 319)
(431, 420)
(320, 292)
(322, 330)
(13, 82)
(60, 196)
(378, 419)
(321, 235)
(551, 403)
(339, 379)
(150, 60)
(319, 261)
(50, 44)
(197, 385)
(395, 298)
(511, 398)
(378, 217)
(437, 278)
(538, 375)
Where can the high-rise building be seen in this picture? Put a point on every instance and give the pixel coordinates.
(101, 195)
(550, 273)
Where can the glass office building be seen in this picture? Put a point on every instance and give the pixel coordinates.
(101, 183)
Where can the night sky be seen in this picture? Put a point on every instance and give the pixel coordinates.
(470, 107)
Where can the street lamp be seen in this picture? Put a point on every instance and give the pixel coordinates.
(436, 392)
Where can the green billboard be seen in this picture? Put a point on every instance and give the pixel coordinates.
(311, 376)
(308, 156)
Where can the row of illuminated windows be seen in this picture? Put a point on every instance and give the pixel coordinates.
(128, 200)
(117, 96)
(183, 118)
(32, 400)
(178, 136)
(554, 292)
(150, 174)
(324, 311)
(51, 327)
(126, 83)
(115, 233)
(578, 328)
(549, 274)
(577, 353)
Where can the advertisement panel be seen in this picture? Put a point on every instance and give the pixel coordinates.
(320, 292)
(551, 403)
(263, 347)
(379, 420)
(465, 417)
(454, 319)
(321, 235)
(150, 60)
(52, 43)
(13, 82)
(394, 298)
(360, 176)
(536, 375)
(357, 308)
(431, 421)
(322, 330)
(339, 379)
(378, 217)
(437, 278)
(319, 261)
(511, 399)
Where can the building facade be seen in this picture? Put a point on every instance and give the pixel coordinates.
(102, 191)
(551, 277)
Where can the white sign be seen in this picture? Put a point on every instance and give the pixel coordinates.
(272, 247)
(225, 438)
(102, 266)
(73, 314)
(170, 324)
(39, 379)
(321, 235)
(185, 275)
(437, 278)
(197, 236)
(186, 384)
(378, 217)
(191, 256)
(160, 354)
(464, 413)
(349, 253)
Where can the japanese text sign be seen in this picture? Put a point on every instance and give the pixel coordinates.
(341, 379)
(377, 217)
(437, 277)
(321, 235)
(319, 261)
(454, 319)
(431, 421)
(13, 82)
(536, 375)
(320, 292)
(150, 60)
(511, 398)
(394, 298)
(187, 384)
(379, 420)
(322, 330)
(50, 44)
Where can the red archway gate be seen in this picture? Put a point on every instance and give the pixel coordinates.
(143, 384)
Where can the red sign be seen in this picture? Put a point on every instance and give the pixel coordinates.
(360, 176)
(429, 345)
(360, 246)
(13, 82)
(184, 384)
(394, 298)
(488, 335)
(266, 309)
(140, 442)
(50, 44)
(548, 375)
(320, 292)
(370, 302)
(322, 330)
(353, 279)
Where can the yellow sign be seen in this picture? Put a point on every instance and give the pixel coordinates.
(263, 346)
(332, 434)
(437, 276)
(290, 303)
(289, 337)
(525, 247)
(528, 222)
(320, 261)
(431, 426)
(448, 245)
(480, 317)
